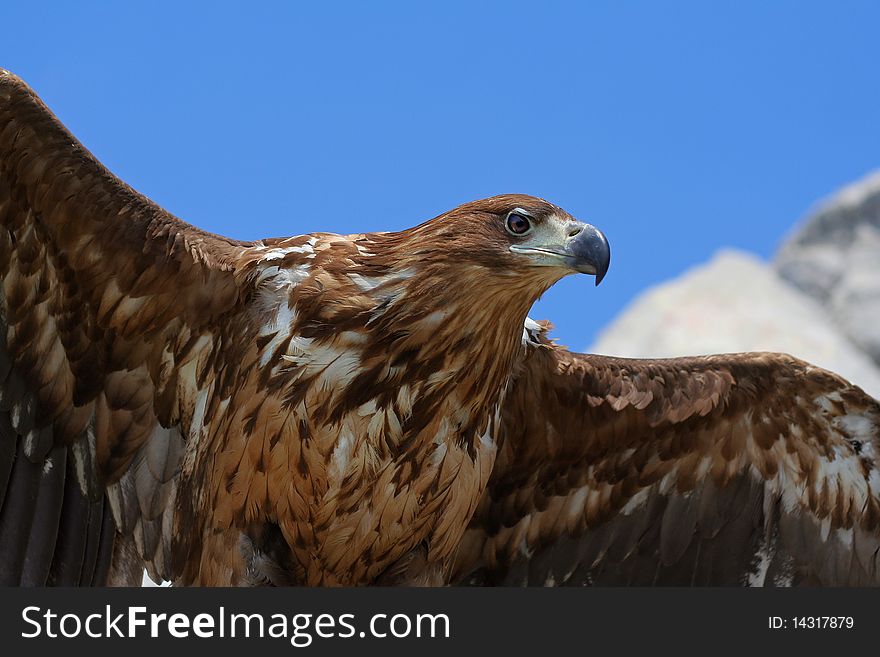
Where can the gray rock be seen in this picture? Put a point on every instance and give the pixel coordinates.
(834, 257)
(734, 303)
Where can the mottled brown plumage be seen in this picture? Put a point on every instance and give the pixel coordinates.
(368, 409)
(752, 469)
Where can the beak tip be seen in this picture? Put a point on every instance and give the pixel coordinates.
(603, 256)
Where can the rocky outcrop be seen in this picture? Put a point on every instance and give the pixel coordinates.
(735, 303)
(833, 256)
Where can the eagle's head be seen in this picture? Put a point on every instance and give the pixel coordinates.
(524, 235)
(511, 241)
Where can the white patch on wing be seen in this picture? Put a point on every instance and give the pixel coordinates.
(198, 416)
(531, 332)
(293, 276)
(83, 456)
(336, 365)
(279, 328)
(857, 427)
(365, 283)
(274, 299)
(341, 369)
(367, 408)
(283, 277)
(341, 456)
(874, 482)
(761, 564)
(441, 376)
(841, 476)
(436, 457)
(576, 502)
(667, 483)
(443, 431)
(297, 348)
(636, 501)
(845, 537)
(825, 401)
(277, 253)
(274, 254)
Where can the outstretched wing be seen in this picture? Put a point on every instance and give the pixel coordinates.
(722, 470)
(107, 304)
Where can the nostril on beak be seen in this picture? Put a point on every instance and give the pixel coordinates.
(575, 230)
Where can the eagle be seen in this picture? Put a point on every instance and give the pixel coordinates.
(378, 409)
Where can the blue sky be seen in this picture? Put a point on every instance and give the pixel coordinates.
(676, 127)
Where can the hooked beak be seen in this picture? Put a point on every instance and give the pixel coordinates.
(584, 249)
(588, 252)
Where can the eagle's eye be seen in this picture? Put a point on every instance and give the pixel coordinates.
(517, 223)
